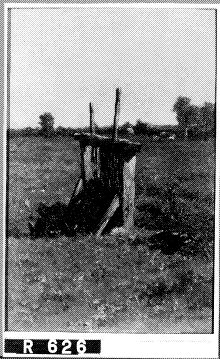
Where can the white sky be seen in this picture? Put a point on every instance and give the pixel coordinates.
(61, 59)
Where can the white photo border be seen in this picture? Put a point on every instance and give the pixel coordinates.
(130, 345)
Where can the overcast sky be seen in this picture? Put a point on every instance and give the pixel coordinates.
(61, 59)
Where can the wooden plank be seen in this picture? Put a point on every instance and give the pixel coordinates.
(91, 163)
(78, 188)
(116, 116)
(108, 215)
(128, 193)
(88, 164)
(102, 141)
(96, 163)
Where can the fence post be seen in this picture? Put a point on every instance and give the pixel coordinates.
(128, 192)
(116, 116)
(92, 124)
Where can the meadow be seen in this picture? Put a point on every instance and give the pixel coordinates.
(120, 282)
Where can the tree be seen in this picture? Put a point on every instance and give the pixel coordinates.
(46, 123)
(140, 128)
(199, 120)
(207, 118)
(184, 111)
(193, 112)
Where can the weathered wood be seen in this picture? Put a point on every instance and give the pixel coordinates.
(88, 165)
(106, 143)
(96, 162)
(82, 150)
(108, 215)
(128, 192)
(110, 162)
(114, 165)
(116, 116)
(78, 188)
(91, 117)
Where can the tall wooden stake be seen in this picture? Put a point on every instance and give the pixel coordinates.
(92, 124)
(116, 116)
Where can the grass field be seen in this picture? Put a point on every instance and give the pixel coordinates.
(119, 283)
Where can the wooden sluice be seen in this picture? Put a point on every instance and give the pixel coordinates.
(109, 163)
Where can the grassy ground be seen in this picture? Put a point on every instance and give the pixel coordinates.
(119, 283)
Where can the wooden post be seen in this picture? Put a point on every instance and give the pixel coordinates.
(90, 154)
(92, 124)
(116, 116)
(128, 193)
(95, 151)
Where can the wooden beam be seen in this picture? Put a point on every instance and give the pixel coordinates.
(78, 188)
(108, 215)
(87, 139)
(116, 116)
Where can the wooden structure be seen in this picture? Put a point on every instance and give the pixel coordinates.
(111, 162)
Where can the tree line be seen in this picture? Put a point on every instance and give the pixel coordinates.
(193, 122)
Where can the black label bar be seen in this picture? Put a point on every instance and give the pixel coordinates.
(52, 346)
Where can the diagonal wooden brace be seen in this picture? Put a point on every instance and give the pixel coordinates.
(108, 215)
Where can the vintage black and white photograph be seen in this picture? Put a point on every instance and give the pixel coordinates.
(111, 171)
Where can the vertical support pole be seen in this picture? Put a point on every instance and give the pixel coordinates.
(88, 163)
(91, 116)
(128, 193)
(86, 154)
(95, 165)
(82, 150)
(116, 116)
